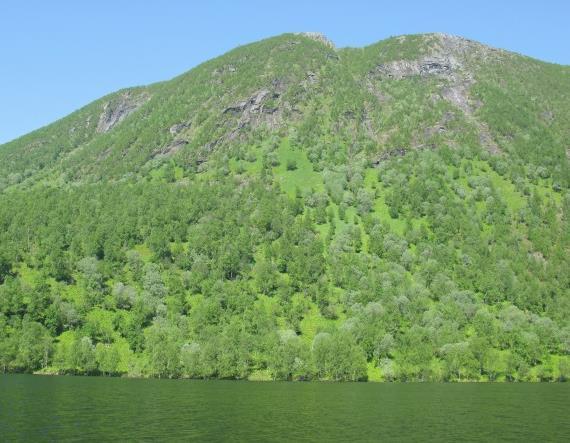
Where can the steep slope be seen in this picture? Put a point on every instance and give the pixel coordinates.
(291, 210)
(448, 90)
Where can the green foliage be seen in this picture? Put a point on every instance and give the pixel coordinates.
(291, 165)
(318, 222)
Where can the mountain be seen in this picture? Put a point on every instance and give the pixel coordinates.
(291, 210)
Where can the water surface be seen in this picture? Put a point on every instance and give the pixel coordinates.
(34, 408)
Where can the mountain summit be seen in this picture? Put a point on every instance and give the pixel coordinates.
(405, 93)
(292, 210)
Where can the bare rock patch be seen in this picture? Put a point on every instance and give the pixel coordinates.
(117, 110)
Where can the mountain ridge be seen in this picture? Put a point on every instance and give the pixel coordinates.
(440, 46)
(316, 33)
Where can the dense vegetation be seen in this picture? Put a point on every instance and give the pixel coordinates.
(291, 211)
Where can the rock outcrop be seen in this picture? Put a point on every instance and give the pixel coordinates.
(170, 149)
(448, 60)
(179, 127)
(117, 110)
(428, 66)
(317, 36)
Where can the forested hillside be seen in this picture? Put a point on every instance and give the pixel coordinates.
(294, 211)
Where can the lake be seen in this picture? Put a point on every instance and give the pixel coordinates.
(35, 408)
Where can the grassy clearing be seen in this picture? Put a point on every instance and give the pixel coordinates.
(302, 177)
(313, 323)
(515, 201)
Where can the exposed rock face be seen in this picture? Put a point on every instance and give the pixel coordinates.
(312, 78)
(252, 105)
(448, 60)
(317, 36)
(265, 106)
(170, 149)
(258, 103)
(116, 111)
(224, 69)
(429, 66)
(175, 129)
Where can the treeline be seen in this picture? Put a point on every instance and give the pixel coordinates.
(227, 352)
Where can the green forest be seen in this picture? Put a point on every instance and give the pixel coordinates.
(293, 211)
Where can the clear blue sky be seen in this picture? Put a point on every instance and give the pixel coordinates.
(56, 56)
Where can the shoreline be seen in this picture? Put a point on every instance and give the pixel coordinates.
(262, 380)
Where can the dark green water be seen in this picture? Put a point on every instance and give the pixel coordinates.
(34, 408)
